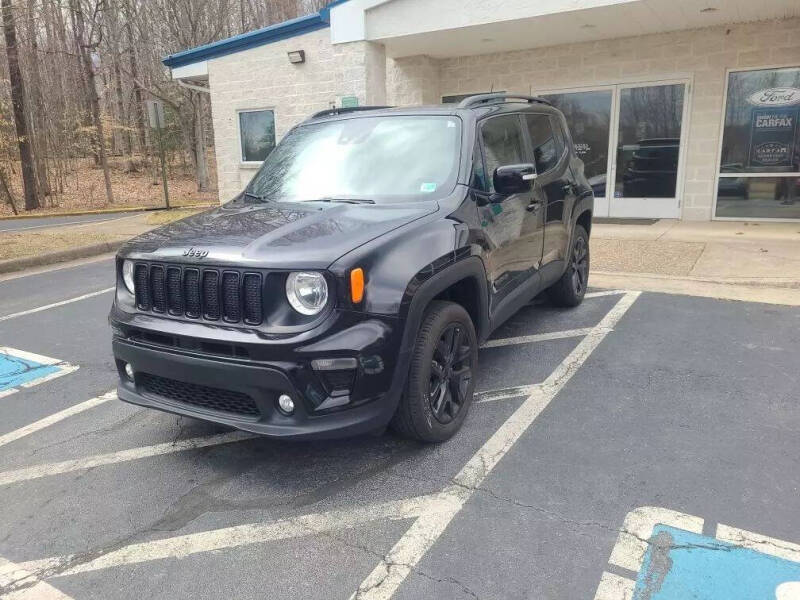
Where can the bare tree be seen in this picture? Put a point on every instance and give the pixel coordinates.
(18, 102)
(87, 45)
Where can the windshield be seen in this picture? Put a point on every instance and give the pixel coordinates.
(386, 158)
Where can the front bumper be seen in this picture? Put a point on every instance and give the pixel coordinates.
(210, 373)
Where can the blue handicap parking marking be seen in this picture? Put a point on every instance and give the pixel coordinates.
(16, 371)
(679, 565)
(25, 369)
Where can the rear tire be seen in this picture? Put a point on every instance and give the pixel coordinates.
(570, 289)
(441, 376)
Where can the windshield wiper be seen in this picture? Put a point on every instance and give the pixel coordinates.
(347, 200)
(247, 194)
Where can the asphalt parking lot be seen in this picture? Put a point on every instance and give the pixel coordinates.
(594, 429)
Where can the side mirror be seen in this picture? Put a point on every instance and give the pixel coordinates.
(513, 179)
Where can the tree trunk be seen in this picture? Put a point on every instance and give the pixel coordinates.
(37, 112)
(94, 100)
(121, 134)
(199, 151)
(137, 91)
(18, 102)
(85, 103)
(6, 190)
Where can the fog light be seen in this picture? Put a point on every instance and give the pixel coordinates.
(286, 404)
(129, 371)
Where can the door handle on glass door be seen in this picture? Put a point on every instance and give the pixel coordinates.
(534, 205)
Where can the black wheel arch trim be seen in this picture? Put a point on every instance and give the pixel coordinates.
(424, 288)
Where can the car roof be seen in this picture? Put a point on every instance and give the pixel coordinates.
(490, 106)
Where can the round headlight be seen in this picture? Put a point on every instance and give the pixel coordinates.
(307, 292)
(127, 275)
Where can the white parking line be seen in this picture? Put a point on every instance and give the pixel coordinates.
(55, 304)
(111, 458)
(55, 418)
(505, 393)
(239, 535)
(390, 573)
(604, 293)
(539, 337)
(29, 588)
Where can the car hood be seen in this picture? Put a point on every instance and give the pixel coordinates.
(277, 234)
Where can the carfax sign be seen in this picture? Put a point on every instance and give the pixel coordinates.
(772, 133)
(773, 126)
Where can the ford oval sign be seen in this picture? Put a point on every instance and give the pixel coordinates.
(775, 97)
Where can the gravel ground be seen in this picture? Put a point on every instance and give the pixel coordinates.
(645, 256)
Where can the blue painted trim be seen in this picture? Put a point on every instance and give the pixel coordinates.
(251, 39)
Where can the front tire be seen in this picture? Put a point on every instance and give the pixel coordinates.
(441, 377)
(570, 289)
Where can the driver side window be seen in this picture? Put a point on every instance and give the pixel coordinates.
(502, 144)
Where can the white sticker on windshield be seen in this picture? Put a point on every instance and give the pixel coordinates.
(451, 123)
(427, 187)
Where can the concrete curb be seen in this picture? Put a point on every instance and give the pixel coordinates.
(775, 292)
(104, 211)
(767, 282)
(18, 264)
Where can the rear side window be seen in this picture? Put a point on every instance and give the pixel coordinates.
(548, 146)
(502, 143)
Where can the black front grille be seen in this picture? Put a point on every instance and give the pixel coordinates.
(229, 295)
(211, 295)
(198, 395)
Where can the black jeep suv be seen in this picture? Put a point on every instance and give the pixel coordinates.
(350, 285)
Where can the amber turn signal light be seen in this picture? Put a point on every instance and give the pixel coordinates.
(357, 285)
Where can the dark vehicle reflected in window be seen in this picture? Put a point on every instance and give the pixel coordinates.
(648, 169)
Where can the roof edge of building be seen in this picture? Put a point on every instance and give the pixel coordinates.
(251, 39)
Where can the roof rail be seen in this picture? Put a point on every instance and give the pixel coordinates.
(344, 109)
(473, 101)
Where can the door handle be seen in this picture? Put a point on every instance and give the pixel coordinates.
(533, 206)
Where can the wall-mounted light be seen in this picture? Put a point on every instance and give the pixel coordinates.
(297, 57)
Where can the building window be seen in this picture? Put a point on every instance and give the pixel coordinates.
(759, 170)
(257, 134)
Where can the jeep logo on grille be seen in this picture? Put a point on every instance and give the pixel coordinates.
(195, 253)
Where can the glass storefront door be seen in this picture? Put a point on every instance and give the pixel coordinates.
(589, 118)
(630, 138)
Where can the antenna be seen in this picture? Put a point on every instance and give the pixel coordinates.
(491, 88)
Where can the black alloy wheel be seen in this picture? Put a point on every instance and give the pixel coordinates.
(451, 373)
(441, 375)
(571, 287)
(579, 266)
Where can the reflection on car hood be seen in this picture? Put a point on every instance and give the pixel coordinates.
(290, 235)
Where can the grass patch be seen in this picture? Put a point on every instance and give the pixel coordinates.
(18, 245)
(162, 217)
